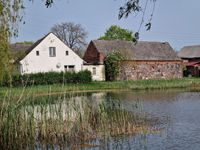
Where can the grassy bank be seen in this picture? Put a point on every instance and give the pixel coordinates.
(101, 86)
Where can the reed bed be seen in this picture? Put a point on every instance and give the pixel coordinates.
(64, 121)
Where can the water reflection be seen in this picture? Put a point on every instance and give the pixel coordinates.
(179, 111)
(172, 117)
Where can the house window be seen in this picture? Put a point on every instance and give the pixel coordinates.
(67, 53)
(52, 51)
(37, 53)
(71, 68)
(94, 71)
(65, 67)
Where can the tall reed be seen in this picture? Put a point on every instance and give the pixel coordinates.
(63, 120)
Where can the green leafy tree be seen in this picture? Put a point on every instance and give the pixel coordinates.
(10, 15)
(118, 33)
(112, 65)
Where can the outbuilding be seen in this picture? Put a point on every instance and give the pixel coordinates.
(143, 60)
(191, 58)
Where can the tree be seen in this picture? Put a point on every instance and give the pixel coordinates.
(134, 6)
(112, 65)
(10, 15)
(117, 33)
(73, 35)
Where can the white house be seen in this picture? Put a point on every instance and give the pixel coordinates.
(50, 54)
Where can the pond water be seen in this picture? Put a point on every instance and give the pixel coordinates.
(174, 117)
(179, 112)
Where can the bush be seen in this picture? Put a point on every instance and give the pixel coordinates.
(49, 78)
(112, 65)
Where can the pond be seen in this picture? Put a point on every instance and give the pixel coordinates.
(179, 110)
(168, 119)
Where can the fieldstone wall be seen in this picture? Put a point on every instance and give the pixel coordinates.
(139, 70)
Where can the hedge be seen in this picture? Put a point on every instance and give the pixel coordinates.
(48, 78)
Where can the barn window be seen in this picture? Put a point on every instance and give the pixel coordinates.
(52, 51)
(94, 71)
(37, 53)
(67, 53)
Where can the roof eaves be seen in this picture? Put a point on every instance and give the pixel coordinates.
(35, 45)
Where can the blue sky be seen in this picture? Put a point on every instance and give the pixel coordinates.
(175, 21)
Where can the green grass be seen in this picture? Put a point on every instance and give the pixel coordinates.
(101, 86)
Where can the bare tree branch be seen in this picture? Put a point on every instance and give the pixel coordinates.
(71, 34)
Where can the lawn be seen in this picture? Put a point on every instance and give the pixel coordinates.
(103, 86)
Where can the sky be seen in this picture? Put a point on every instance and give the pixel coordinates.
(174, 21)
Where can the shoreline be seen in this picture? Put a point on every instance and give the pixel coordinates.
(45, 90)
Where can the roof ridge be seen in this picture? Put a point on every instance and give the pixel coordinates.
(191, 46)
(163, 42)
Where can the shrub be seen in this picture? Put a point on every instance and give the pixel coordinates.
(49, 78)
(112, 65)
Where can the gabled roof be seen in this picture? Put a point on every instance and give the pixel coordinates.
(25, 48)
(143, 50)
(16, 47)
(190, 52)
(18, 51)
(36, 43)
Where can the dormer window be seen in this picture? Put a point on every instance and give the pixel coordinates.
(66, 53)
(37, 53)
(52, 51)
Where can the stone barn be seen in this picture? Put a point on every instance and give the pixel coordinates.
(144, 60)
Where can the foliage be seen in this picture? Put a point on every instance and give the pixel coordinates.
(112, 65)
(10, 15)
(134, 6)
(49, 78)
(71, 34)
(4, 54)
(25, 42)
(18, 55)
(118, 33)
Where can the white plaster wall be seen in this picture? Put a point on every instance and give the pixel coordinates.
(44, 63)
(100, 72)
